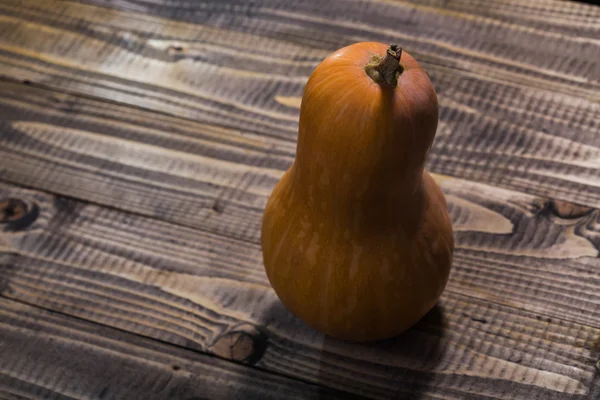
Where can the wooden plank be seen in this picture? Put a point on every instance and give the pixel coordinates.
(189, 172)
(139, 161)
(567, 17)
(547, 18)
(228, 198)
(519, 320)
(51, 356)
(513, 113)
(192, 38)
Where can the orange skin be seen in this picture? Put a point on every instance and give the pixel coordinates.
(356, 236)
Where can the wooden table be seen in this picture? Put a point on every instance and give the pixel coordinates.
(139, 140)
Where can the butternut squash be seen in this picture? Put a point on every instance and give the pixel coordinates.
(356, 237)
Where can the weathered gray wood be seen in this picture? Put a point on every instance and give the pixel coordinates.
(505, 31)
(519, 102)
(519, 319)
(51, 356)
(549, 16)
(518, 85)
(181, 173)
(193, 173)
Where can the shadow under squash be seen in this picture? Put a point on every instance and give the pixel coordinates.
(402, 367)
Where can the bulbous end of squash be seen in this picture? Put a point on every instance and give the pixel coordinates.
(358, 285)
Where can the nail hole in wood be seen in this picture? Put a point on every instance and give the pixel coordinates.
(217, 207)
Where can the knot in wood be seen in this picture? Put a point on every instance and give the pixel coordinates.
(568, 210)
(12, 210)
(246, 346)
(15, 214)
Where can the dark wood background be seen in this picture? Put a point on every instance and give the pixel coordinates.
(141, 139)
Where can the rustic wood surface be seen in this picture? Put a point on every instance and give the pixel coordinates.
(139, 140)
(521, 306)
(51, 356)
(519, 84)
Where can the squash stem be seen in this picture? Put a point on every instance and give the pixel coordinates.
(386, 70)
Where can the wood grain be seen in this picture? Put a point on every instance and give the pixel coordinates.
(197, 174)
(151, 165)
(519, 320)
(158, 128)
(46, 355)
(192, 173)
(566, 17)
(519, 100)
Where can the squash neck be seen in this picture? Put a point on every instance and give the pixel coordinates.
(373, 192)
